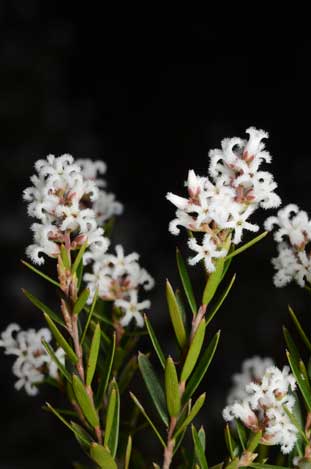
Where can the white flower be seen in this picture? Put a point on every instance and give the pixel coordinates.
(206, 252)
(222, 204)
(132, 309)
(260, 406)
(32, 361)
(293, 236)
(57, 199)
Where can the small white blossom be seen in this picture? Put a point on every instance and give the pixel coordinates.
(221, 206)
(32, 361)
(132, 309)
(293, 235)
(260, 405)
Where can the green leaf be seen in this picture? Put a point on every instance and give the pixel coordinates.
(176, 316)
(81, 301)
(60, 339)
(102, 457)
(54, 358)
(173, 400)
(42, 307)
(102, 388)
(154, 387)
(186, 282)
(222, 298)
(65, 257)
(300, 380)
(213, 281)
(79, 274)
(128, 453)
(113, 420)
(38, 272)
(192, 414)
(241, 431)
(93, 355)
(202, 437)
(142, 410)
(202, 367)
(194, 351)
(295, 422)
(300, 329)
(155, 342)
(79, 257)
(229, 441)
(266, 466)
(253, 441)
(64, 421)
(85, 402)
(127, 374)
(291, 345)
(82, 436)
(199, 451)
(89, 316)
(247, 245)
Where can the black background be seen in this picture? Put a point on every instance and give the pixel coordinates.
(150, 92)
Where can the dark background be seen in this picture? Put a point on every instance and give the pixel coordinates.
(150, 93)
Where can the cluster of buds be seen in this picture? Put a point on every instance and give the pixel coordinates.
(293, 238)
(119, 278)
(56, 199)
(262, 408)
(32, 362)
(219, 207)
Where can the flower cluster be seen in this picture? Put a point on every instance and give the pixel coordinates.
(105, 204)
(32, 362)
(262, 408)
(293, 237)
(220, 207)
(56, 200)
(253, 370)
(118, 278)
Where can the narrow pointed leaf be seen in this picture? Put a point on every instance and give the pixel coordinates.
(93, 355)
(213, 281)
(60, 339)
(229, 442)
(300, 329)
(84, 402)
(253, 441)
(128, 453)
(300, 380)
(41, 274)
(65, 257)
(127, 374)
(103, 384)
(194, 351)
(176, 316)
(241, 431)
(79, 257)
(265, 466)
(82, 436)
(199, 451)
(64, 421)
(173, 400)
(155, 342)
(54, 358)
(291, 345)
(222, 298)
(102, 457)
(142, 410)
(247, 245)
(202, 367)
(81, 301)
(186, 282)
(113, 420)
(91, 311)
(154, 387)
(42, 307)
(192, 414)
(295, 422)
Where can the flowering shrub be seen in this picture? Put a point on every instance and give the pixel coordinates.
(89, 350)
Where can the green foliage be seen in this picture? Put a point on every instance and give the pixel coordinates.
(186, 282)
(85, 402)
(93, 355)
(176, 316)
(173, 400)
